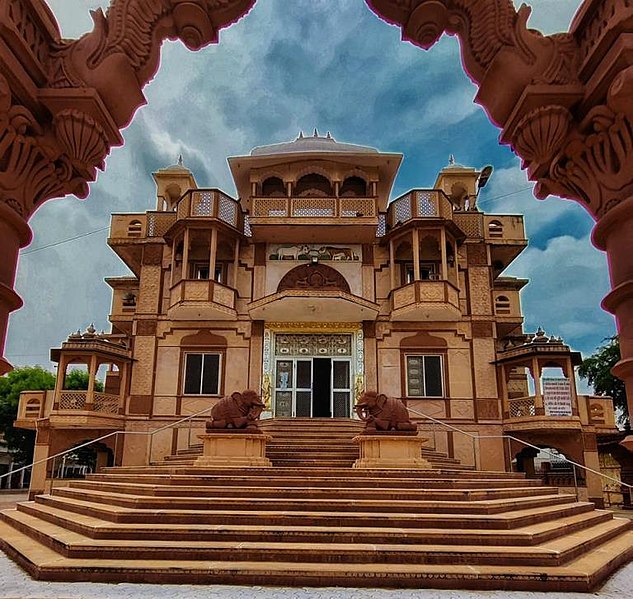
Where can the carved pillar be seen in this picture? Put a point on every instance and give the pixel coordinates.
(564, 103)
(392, 266)
(213, 252)
(63, 102)
(92, 376)
(14, 234)
(236, 263)
(415, 242)
(614, 233)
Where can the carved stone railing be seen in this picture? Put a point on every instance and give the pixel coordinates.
(316, 208)
(211, 203)
(419, 203)
(522, 407)
(104, 403)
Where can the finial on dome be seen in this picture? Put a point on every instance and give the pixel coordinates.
(328, 135)
(300, 135)
(451, 160)
(316, 133)
(180, 160)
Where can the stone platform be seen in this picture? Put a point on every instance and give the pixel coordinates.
(308, 525)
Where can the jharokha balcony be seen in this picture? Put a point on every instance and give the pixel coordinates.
(201, 299)
(426, 301)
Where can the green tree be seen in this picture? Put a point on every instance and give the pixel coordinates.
(597, 370)
(20, 442)
(77, 380)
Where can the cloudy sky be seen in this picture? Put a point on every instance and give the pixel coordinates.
(293, 65)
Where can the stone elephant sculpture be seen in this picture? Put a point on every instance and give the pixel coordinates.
(384, 414)
(239, 411)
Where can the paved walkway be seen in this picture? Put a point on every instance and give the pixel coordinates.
(14, 584)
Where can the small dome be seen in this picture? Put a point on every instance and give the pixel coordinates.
(313, 143)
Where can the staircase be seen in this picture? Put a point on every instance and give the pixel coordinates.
(312, 520)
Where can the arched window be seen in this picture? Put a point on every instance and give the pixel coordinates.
(313, 185)
(32, 409)
(353, 186)
(495, 228)
(135, 229)
(502, 305)
(273, 187)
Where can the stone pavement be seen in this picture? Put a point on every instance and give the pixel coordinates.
(15, 584)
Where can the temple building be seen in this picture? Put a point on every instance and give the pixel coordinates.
(309, 288)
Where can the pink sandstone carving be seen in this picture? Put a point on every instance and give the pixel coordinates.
(384, 414)
(237, 412)
(564, 103)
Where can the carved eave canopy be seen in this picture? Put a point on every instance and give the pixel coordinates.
(104, 348)
(539, 346)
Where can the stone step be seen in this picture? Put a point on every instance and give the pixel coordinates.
(548, 509)
(522, 536)
(310, 492)
(552, 553)
(343, 505)
(581, 574)
(288, 481)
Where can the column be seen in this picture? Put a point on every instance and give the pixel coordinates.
(444, 275)
(392, 265)
(90, 395)
(505, 400)
(14, 234)
(122, 386)
(213, 251)
(236, 263)
(185, 256)
(538, 395)
(416, 254)
(614, 234)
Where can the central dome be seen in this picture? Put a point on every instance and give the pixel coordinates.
(315, 143)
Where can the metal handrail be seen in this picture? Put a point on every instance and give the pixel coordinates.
(73, 449)
(513, 438)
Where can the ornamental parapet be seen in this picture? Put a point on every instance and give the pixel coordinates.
(288, 219)
(202, 299)
(210, 204)
(426, 300)
(419, 203)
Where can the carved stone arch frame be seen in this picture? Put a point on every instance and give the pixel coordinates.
(310, 170)
(268, 173)
(357, 172)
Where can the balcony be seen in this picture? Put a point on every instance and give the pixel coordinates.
(506, 236)
(78, 409)
(32, 406)
(210, 204)
(69, 408)
(525, 416)
(419, 203)
(299, 219)
(201, 299)
(426, 301)
(130, 232)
